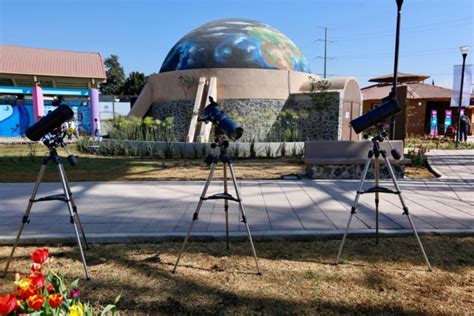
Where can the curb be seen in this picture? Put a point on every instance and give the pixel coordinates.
(298, 235)
(433, 169)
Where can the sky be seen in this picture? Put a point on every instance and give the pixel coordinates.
(361, 34)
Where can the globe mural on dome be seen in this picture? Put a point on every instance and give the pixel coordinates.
(235, 43)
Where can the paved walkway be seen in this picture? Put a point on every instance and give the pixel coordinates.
(124, 211)
(453, 164)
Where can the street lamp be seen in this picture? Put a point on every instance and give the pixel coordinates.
(464, 51)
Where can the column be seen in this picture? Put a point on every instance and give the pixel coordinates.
(95, 118)
(38, 102)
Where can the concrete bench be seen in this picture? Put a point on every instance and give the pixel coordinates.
(346, 159)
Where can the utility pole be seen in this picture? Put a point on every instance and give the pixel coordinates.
(326, 41)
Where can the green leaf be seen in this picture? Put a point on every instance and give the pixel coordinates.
(74, 284)
(107, 309)
(117, 299)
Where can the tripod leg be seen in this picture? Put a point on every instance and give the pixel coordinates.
(74, 208)
(377, 197)
(71, 213)
(226, 207)
(244, 218)
(196, 214)
(406, 211)
(354, 205)
(26, 216)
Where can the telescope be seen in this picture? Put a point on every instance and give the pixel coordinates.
(387, 109)
(49, 123)
(224, 124)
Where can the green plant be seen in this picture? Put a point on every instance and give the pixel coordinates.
(236, 151)
(283, 149)
(253, 153)
(168, 151)
(150, 148)
(268, 151)
(417, 155)
(143, 129)
(195, 151)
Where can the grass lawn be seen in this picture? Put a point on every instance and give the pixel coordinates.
(21, 163)
(298, 277)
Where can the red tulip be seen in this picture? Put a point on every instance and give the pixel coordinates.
(54, 300)
(35, 302)
(25, 288)
(7, 304)
(36, 267)
(39, 255)
(37, 280)
(50, 288)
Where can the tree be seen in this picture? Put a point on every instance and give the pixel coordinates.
(115, 76)
(135, 82)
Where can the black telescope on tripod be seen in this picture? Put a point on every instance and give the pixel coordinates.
(48, 130)
(376, 117)
(223, 123)
(224, 127)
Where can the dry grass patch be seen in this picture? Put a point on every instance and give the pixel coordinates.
(298, 277)
(419, 172)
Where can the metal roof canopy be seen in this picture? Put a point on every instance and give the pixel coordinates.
(26, 66)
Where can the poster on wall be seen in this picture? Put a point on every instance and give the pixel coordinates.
(434, 123)
(448, 120)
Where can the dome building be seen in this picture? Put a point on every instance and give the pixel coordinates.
(254, 72)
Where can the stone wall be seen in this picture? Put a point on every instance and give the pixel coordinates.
(257, 116)
(180, 110)
(295, 119)
(350, 171)
(321, 120)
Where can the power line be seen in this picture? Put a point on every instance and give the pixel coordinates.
(406, 54)
(409, 30)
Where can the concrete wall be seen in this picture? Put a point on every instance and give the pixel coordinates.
(232, 83)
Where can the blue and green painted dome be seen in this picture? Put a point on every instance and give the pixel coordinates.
(235, 43)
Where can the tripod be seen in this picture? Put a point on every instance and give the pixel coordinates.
(222, 145)
(66, 197)
(374, 155)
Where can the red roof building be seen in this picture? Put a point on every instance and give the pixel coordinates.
(421, 98)
(25, 66)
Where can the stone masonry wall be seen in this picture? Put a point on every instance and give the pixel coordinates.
(350, 171)
(180, 110)
(263, 119)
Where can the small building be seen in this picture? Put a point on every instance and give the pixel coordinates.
(257, 75)
(420, 99)
(38, 74)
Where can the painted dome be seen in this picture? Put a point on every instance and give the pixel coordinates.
(235, 43)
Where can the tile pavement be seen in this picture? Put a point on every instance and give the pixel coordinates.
(161, 210)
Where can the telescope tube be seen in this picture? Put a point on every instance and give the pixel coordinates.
(49, 122)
